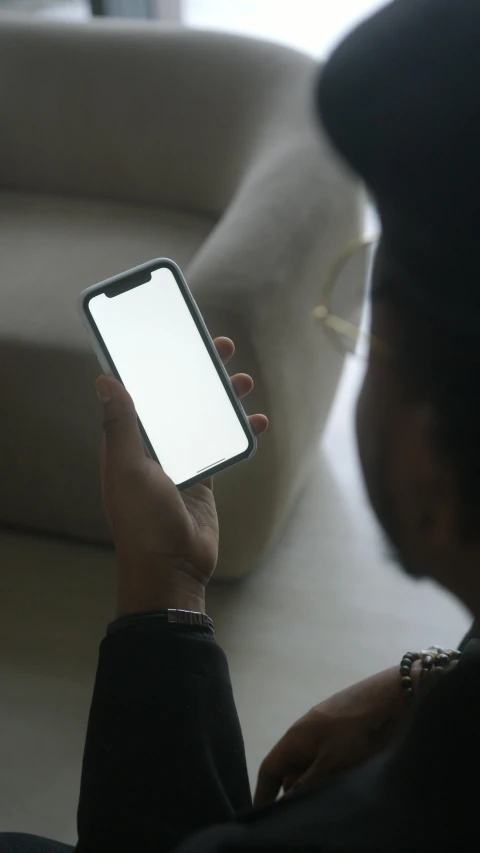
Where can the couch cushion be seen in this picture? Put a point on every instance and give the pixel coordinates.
(51, 248)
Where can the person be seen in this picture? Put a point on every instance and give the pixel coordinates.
(392, 763)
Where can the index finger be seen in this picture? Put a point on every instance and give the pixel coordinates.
(225, 348)
(267, 790)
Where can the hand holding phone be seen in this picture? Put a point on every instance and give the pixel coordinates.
(147, 332)
(166, 539)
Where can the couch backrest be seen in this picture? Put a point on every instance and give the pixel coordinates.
(141, 112)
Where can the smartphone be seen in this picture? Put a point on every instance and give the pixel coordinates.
(147, 331)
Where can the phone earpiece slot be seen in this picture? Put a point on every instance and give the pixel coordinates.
(128, 283)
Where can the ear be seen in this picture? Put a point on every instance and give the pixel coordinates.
(424, 490)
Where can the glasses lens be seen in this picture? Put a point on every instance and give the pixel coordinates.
(349, 300)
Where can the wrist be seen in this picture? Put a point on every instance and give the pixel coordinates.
(392, 690)
(145, 590)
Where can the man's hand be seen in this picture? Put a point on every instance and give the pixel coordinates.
(166, 540)
(337, 734)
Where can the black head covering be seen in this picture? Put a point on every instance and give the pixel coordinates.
(400, 100)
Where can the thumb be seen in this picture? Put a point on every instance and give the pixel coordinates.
(123, 442)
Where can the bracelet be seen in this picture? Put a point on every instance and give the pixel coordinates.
(189, 618)
(433, 658)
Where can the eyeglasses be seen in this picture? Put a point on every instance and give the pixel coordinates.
(344, 311)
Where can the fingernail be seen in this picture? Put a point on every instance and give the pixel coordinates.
(103, 391)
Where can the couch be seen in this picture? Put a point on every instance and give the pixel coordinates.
(122, 142)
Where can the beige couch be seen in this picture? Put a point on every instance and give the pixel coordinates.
(124, 142)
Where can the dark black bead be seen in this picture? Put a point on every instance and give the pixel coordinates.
(408, 656)
(409, 693)
(442, 660)
(406, 682)
(427, 662)
(405, 670)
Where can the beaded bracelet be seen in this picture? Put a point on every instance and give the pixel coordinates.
(433, 658)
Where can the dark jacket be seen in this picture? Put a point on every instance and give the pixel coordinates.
(164, 766)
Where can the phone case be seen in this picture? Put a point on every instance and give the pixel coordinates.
(108, 366)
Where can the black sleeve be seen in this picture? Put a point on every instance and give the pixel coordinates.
(164, 754)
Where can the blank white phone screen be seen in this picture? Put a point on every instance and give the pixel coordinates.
(164, 364)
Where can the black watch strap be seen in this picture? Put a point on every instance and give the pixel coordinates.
(185, 618)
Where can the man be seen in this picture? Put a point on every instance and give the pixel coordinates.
(164, 765)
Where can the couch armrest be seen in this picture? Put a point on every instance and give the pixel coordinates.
(257, 279)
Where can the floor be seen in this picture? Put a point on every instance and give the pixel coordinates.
(325, 609)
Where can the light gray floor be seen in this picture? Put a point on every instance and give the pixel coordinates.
(324, 610)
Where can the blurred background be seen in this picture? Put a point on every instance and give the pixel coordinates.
(309, 25)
